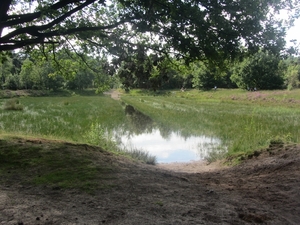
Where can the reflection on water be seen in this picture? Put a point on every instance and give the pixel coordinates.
(173, 149)
(139, 122)
(167, 145)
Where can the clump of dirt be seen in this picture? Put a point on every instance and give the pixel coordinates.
(262, 190)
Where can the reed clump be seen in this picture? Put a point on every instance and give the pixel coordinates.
(13, 104)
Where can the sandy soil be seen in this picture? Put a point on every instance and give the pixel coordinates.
(262, 190)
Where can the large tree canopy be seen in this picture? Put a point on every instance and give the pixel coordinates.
(195, 29)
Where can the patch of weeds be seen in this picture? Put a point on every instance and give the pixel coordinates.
(253, 154)
(234, 159)
(82, 177)
(13, 104)
(66, 103)
(215, 155)
(279, 141)
(141, 155)
(98, 135)
(276, 141)
(160, 203)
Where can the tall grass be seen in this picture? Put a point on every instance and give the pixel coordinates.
(84, 119)
(244, 121)
(67, 118)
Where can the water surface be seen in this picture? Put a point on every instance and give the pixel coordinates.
(174, 148)
(166, 144)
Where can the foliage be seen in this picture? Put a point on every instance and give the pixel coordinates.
(6, 66)
(260, 71)
(292, 73)
(26, 75)
(97, 135)
(212, 30)
(64, 70)
(153, 72)
(207, 76)
(12, 82)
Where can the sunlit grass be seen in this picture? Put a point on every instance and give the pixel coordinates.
(243, 121)
(82, 119)
(52, 117)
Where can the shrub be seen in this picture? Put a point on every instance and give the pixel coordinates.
(13, 104)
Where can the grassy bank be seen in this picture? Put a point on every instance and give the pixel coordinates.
(54, 164)
(244, 121)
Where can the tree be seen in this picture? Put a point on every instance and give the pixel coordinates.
(292, 72)
(260, 70)
(27, 74)
(203, 78)
(6, 66)
(213, 30)
(12, 82)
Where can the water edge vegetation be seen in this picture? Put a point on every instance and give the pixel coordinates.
(244, 121)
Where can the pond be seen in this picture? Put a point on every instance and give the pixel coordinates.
(166, 144)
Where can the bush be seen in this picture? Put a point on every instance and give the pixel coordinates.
(260, 70)
(13, 104)
(12, 82)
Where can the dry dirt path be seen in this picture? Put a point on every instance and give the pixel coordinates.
(262, 190)
(114, 94)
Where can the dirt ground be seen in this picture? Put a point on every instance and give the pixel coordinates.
(262, 190)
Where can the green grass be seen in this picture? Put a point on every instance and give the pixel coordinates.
(57, 165)
(65, 118)
(86, 118)
(244, 121)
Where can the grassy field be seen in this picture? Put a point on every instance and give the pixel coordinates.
(65, 118)
(244, 121)
(75, 118)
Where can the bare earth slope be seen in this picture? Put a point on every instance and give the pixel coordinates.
(262, 190)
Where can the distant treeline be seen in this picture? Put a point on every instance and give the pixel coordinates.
(66, 70)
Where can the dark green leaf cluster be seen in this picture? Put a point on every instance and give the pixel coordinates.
(190, 29)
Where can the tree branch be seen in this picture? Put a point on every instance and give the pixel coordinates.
(34, 30)
(12, 20)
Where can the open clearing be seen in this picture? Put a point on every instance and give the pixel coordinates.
(262, 190)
